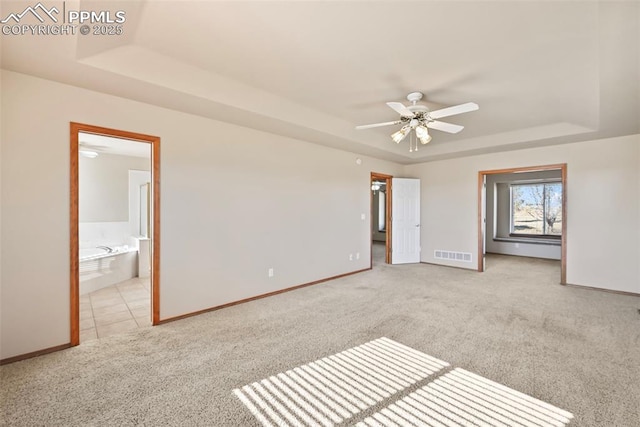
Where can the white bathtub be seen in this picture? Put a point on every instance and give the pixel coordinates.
(100, 268)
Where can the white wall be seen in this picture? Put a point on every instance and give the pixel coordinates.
(104, 186)
(94, 234)
(138, 178)
(234, 202)
(108, 205)
(603, 207)
(2, 138)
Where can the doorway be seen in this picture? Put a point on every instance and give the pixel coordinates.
(380, 214)
(562, 214)
(142, 219)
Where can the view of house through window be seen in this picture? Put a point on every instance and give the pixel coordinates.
(536, 209)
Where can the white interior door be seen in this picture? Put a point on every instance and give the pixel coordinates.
(405, 221)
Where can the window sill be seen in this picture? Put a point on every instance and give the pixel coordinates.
(534, 240)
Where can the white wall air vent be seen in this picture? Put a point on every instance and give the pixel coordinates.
(453, 256)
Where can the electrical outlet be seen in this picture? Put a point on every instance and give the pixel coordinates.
(350, 257)
(363, 217)
(270, 273)
(357, 255)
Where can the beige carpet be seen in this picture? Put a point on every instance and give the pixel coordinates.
(514, 326)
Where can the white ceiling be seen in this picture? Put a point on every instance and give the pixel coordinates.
(543, 72)
(103, 144)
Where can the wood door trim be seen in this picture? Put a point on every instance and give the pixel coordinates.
(34, 354)
(74, 250)
(563, 238)
(481, 230)
(387, 244)
(75, 128)
(562, 167)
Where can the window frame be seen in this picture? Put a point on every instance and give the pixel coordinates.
(541, 236)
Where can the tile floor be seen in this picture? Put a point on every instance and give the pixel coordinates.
(115, 309)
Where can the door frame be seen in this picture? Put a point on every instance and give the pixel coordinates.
(375, 176)
(75, 129)
(562, 167)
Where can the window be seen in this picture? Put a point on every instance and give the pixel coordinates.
(382, 211)
(536, 209)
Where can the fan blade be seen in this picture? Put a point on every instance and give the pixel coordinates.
(375, 125)
(95, 147)
(456, 109)
(400, 109)
(445, 127)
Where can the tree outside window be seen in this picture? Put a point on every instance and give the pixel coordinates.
(536, 209)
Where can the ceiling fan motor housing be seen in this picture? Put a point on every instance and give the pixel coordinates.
(414, 97)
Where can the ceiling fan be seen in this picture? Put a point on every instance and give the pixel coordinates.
(90, 150)
(418, 117)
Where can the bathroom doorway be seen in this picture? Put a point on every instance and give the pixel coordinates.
(114, 231)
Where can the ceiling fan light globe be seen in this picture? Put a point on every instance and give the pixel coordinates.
(425, 140)
(401, 134)
(88, 153)
(422, 132)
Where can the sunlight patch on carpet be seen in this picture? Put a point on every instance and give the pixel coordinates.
(461, 398)
(333, 389)
(358, 381)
